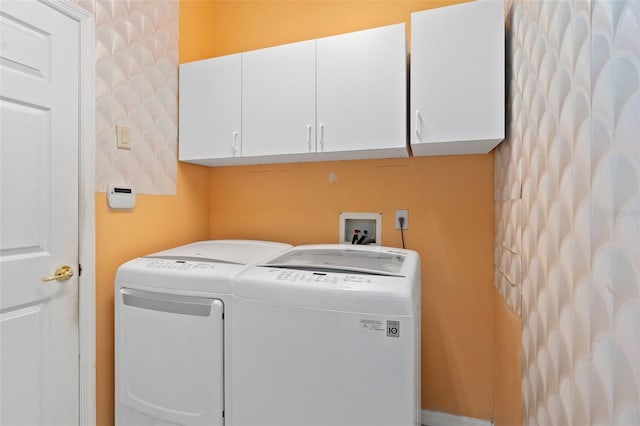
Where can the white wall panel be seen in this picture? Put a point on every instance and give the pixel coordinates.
(542, 191)
(615, 229)
(574, 109)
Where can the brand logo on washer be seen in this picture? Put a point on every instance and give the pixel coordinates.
(393, 328)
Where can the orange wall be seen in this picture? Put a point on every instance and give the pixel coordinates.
(508, 389)
(157, 222)
(450, 203)
(196, 30)
(245, 25)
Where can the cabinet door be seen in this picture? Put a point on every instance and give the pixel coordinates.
(278, 100)
(362, 92)
(457, 78)
(210, 102)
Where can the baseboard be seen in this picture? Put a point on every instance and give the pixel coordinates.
(435, 418)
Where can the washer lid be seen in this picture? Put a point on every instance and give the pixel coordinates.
(368, 279)
(238, 252)
(373, 261)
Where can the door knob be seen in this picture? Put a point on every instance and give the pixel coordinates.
(63, 273)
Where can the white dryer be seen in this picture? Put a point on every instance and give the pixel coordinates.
(172, 317)
(328, 335)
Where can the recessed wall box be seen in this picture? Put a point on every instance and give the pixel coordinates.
(121, 197)
(360, 228)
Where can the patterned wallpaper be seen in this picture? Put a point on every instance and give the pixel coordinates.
(615, 228)
(567, 203)
(137, 85)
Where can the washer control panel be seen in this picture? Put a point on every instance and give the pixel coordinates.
(320, 277)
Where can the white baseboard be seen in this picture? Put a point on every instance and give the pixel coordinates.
(436, 418)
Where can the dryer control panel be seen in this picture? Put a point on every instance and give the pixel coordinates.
(182, 265)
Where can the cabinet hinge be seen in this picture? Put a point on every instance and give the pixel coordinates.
(79, 269)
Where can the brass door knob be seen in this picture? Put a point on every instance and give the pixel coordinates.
(63, 273)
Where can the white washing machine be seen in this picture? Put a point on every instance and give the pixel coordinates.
(328, 335)
(172, 318)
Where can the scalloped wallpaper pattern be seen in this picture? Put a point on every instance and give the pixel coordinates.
(615, 232)
(567, 208)
(137, 85)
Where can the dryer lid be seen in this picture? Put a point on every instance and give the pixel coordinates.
(237, 252)
(340, 259)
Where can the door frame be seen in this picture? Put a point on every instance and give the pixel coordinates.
(86, 206)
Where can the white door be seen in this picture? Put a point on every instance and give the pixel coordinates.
(279, 100)
(39, 92)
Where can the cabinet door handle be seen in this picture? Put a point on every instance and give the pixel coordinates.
(309, 136)
(418, 127)
(322, 137)
(234, 140)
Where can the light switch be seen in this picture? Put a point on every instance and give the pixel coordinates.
(123, 136)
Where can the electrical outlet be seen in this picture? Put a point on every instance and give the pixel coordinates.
(405, 215)
(123, 136)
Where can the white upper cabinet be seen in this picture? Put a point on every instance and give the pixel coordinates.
(278, 100)
(210, 110)
(336, 98)
(362, 92)
(457, 79)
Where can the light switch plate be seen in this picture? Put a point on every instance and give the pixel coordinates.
(123, 136)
